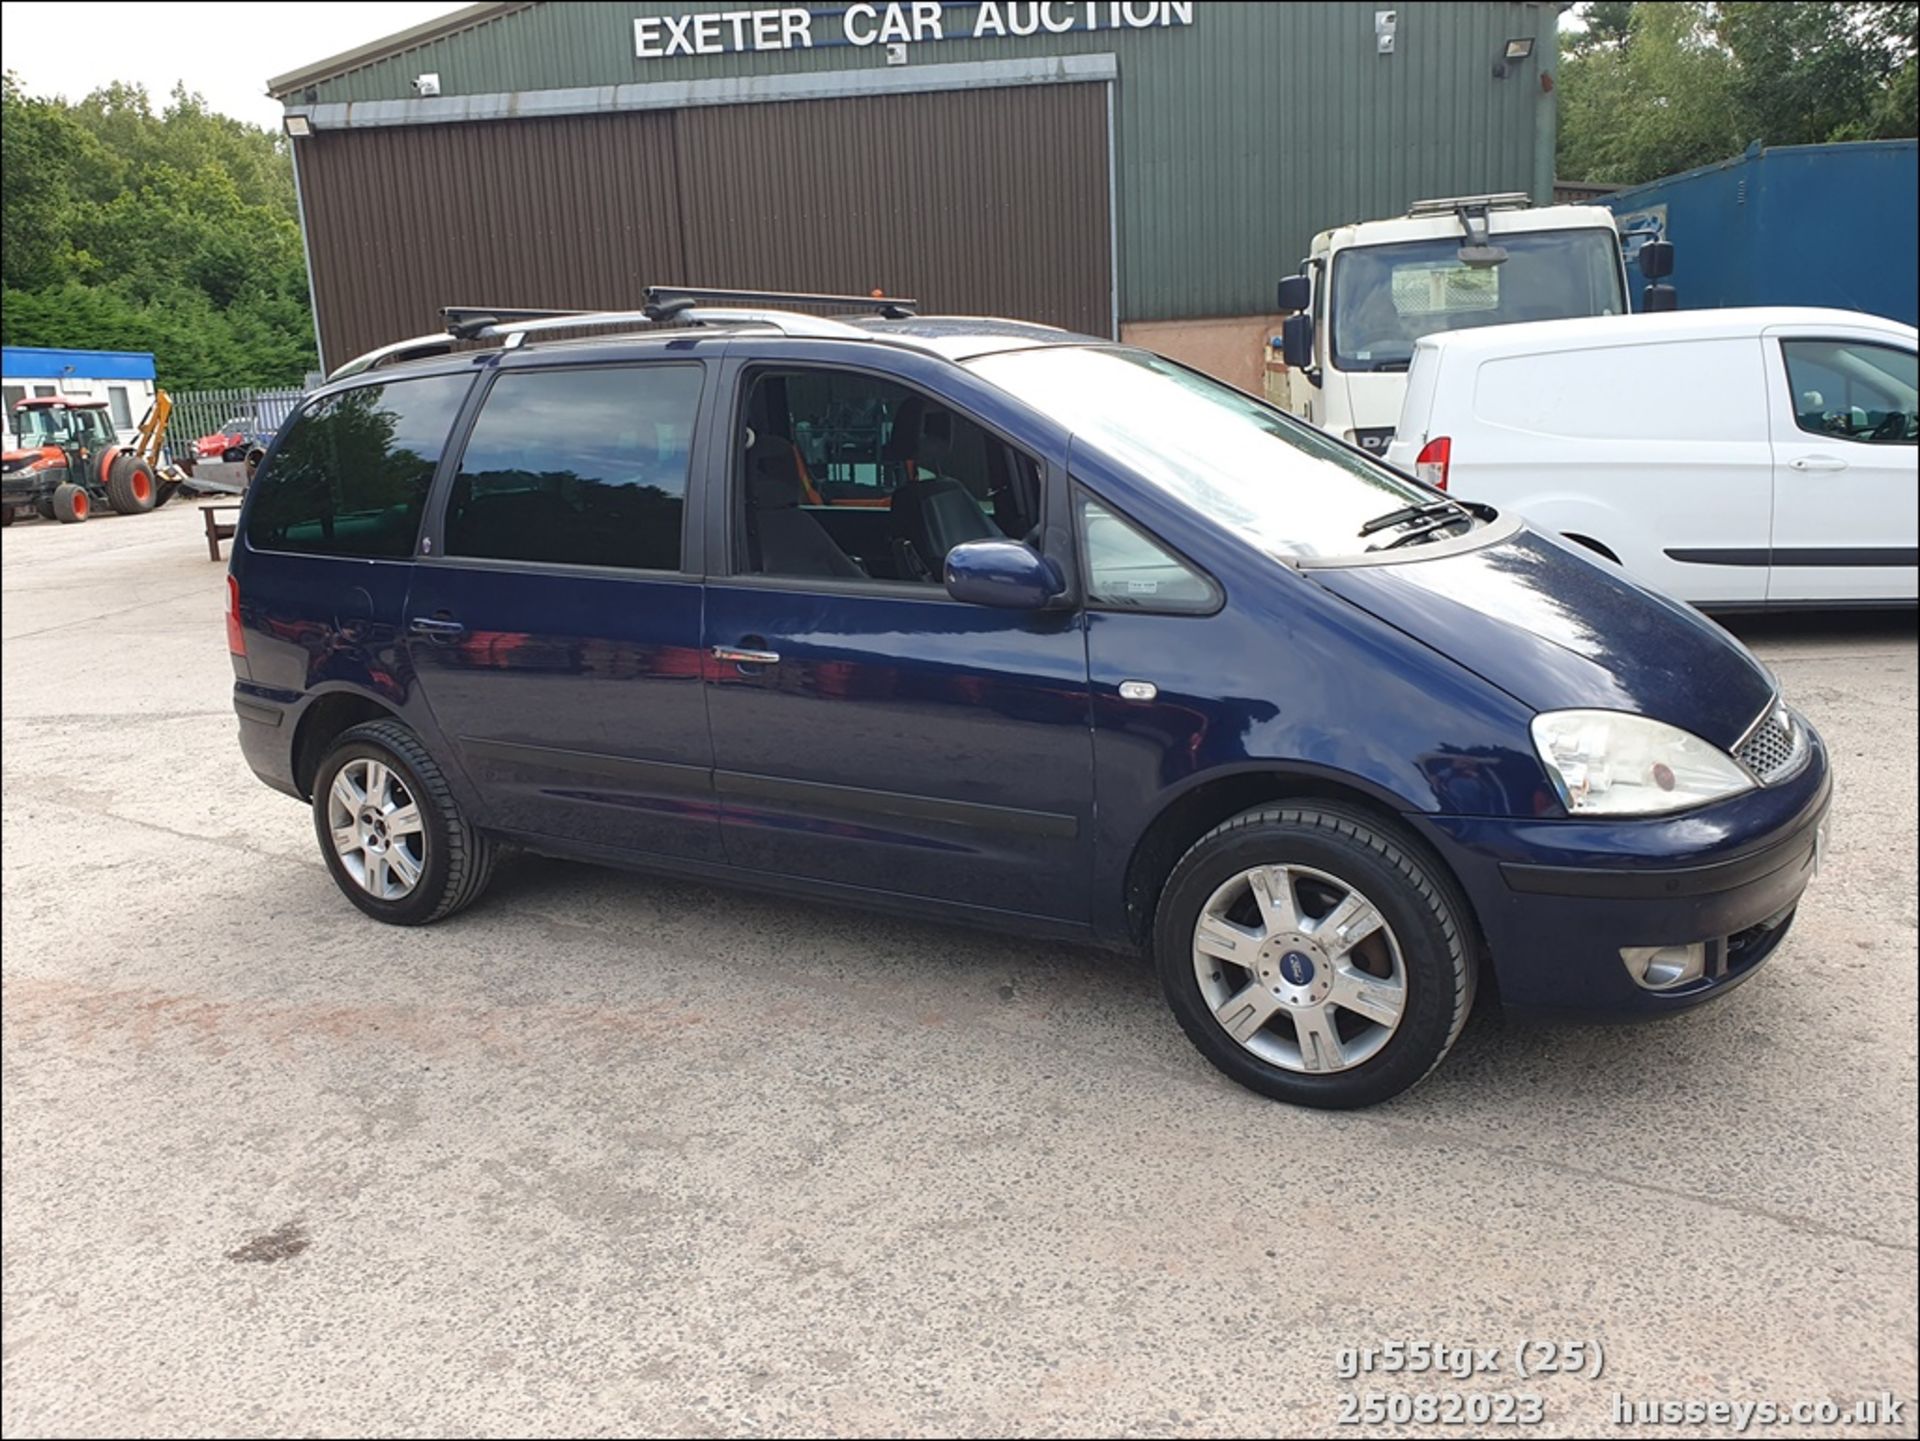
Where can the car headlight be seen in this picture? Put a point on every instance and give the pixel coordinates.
(1609, 763)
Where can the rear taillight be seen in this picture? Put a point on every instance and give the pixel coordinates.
(1432, 462)
(236, 637)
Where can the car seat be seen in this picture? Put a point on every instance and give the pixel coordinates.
(783, 538)
(929, 517)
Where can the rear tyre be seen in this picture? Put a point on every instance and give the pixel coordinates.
(130, 485)
(43, 507)
(71, 504)
(391, 831)
(1314, 955)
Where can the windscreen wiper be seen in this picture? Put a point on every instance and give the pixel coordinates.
(1407, 513)
(1423, 530)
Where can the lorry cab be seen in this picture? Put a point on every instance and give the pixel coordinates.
(1369, 291)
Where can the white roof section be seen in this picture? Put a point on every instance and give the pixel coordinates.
(1596, 331)
(1499, 222)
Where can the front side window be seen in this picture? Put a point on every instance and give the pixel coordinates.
(42, 425)
(1385, 297)
(848, 476)
(1129, 570)
(351, 473)
(1853, 390)
(579, 467)
(1286, 488)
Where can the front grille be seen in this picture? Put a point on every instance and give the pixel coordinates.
(1775, 748)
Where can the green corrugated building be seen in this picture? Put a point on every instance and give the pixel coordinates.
(1143, 167)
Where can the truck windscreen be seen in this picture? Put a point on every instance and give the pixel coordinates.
(1385, 297)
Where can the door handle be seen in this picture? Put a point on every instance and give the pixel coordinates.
(423, 625)
(1817, 462)
(746, 657)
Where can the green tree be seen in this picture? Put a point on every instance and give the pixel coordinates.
(1654, 100)
(172, 232)
(1648, 89)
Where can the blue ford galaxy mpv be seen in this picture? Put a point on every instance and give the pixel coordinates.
(990, 622)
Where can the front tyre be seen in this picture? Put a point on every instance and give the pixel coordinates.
(1314, 955)
(71, 504)
(391, 831)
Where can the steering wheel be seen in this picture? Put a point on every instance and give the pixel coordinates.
(1893, 426)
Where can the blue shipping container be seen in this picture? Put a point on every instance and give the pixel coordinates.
(1791, 225)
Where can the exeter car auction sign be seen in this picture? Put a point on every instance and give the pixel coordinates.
(660, 37)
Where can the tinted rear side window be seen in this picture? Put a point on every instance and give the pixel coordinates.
(351, 474)
(578, 467)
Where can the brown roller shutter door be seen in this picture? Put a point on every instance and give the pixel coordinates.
(987, 202)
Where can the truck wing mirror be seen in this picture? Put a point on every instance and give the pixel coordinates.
(1296, 293)
(1656, 259)
(1296, 341)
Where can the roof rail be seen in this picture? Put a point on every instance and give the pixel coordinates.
(1506, 200)
(665, 305)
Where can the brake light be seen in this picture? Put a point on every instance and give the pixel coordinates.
(236, 637)
(1432, 462)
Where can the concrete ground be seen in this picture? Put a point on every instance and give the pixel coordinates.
(614, 1155)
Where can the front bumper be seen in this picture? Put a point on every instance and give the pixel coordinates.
(26, 486)
(1559, 899)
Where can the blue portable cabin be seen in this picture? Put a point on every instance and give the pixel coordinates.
(124, 379)
(1787, 225)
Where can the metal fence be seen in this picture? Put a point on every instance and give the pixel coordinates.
(258, 413)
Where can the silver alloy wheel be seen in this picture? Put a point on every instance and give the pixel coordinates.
(1300, 968)
(377, 830)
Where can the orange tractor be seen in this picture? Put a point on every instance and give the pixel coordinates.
(70, 460)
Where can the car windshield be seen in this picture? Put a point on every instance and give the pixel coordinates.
(1385, 297)
(1288, 489)
(36, 425)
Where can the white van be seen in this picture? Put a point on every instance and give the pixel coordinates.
(1728, 457)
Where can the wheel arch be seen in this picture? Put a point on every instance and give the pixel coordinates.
(323, 721)
(1593, 545)
(1189, 815)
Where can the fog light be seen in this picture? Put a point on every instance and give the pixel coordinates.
(1661, 968)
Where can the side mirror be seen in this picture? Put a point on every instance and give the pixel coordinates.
(1660, 297)
(1295, 293)
(1656, 259)
(1296, 340)
(1005, 574)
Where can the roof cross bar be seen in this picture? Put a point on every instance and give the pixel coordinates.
(671, 299)
(665, 305)
(465, 322)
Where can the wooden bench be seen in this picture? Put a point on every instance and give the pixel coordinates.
(218, 530)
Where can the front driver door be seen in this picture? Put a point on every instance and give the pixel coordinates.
(1846, 468)
(869, 731)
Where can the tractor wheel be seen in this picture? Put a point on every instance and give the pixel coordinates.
(6, 515)
(71, 504)
(44, 506)
(130, 487)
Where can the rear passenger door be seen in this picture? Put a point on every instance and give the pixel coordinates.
(870, 731)
(554, 619)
